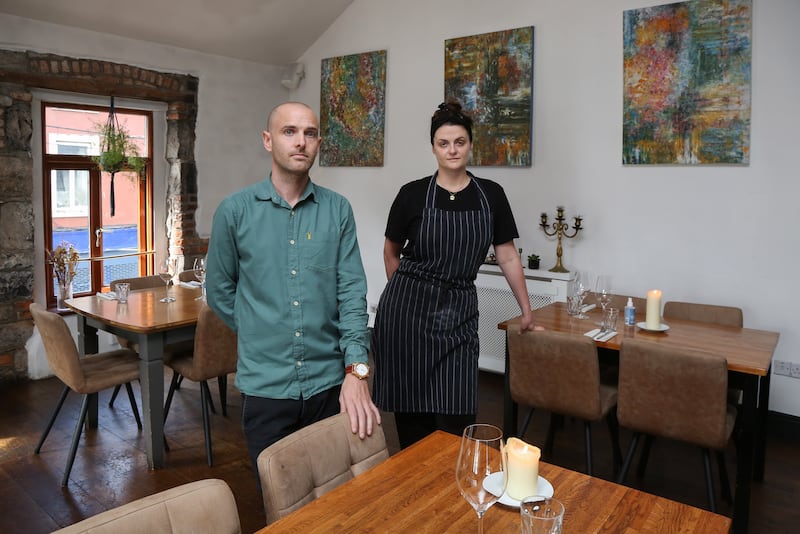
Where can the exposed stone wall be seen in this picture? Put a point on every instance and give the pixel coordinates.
(20, 72)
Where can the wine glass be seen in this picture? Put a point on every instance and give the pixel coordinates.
(166, 270)
(582, 288)
(200, 274)
(481, 461)
(602, 291)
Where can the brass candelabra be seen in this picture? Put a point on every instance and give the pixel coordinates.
(560, 229)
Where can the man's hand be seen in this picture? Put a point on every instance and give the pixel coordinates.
(355, 400)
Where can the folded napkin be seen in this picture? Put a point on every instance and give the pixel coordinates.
(605, 337)
(108, 296)
(587, 307)
(191, 284)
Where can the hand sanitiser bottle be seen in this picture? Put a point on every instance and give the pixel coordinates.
(630, 312)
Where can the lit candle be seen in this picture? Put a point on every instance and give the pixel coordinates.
(653, 318)
(523, 469)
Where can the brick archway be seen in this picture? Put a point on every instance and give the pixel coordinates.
(20, 73)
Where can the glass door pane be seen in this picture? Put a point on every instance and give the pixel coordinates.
(120, 231)
(69, 193)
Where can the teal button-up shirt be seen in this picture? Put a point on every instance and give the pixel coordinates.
(290, 282)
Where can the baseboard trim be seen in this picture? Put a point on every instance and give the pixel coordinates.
(784, 425)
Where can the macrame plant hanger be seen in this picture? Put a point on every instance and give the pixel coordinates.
(112, 133)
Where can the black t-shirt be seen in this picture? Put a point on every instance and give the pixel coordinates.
(405, 215)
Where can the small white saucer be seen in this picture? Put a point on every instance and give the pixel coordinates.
(661, 328)
(494, 482)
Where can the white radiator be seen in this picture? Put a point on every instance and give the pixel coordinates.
(496, 303)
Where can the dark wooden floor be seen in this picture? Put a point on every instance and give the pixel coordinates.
(111, 468)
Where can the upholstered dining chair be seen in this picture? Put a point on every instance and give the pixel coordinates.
(559, 373)
(214, 356)
(676, 394)
(704, 313)
(87, 375)
(202, 506)
(314, 460)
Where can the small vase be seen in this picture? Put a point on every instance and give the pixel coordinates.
(64, 293)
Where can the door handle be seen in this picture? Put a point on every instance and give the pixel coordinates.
(98, 232)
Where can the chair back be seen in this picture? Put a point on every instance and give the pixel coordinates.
(620, 301)
(201, 506)
(215, 345)
(314, 460)
(555, 371)
(187, 276)
(59, 346)
(140, 282)
(677, 394)
(706, 313)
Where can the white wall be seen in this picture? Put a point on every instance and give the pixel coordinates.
(714, 234)
(708, 234)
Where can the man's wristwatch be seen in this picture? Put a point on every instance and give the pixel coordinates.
(360, 370)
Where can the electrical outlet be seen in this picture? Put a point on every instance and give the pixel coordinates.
(781, 368)
(795, 370)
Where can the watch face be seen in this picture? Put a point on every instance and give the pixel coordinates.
(361, 369)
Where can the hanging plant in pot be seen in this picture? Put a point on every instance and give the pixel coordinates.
(117, 151)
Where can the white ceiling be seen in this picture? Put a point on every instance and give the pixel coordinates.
(274, 32)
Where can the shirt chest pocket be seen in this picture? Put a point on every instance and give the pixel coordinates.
(319, 250)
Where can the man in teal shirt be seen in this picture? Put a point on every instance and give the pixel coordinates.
(284, 271)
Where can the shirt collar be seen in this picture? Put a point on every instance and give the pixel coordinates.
(266, 191)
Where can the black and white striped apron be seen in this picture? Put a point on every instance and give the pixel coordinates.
(426, 329)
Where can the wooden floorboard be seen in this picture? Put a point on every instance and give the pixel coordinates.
(111, 467)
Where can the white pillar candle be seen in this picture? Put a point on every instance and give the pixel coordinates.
(523, 469)
(653, 318)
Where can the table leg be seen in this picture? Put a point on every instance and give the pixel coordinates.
(87, 344)
(745, 452)
(761, 429)
(151, 375)
(510, 408)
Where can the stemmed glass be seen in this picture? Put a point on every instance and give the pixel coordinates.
(481, 456)
(602, 291)
(200, 274)
(581, 286)
(166, 270)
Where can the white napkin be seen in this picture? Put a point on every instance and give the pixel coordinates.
(605, 337)
(108, 296)
(191, 284)
(587, 307)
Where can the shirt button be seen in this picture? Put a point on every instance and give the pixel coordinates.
(294, 272)
(296, 303)
(299, 364)
(291, 241)
(297, 334)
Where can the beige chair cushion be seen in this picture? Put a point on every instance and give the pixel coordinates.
(677, 394)
(314, 460)
(214, 350)
(140, 282)
(202, 506)
(558, 372)
(705, 313)
(89, 374)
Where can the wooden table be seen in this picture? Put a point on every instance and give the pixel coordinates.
(749, 354)
(415, 491)
(151, 324)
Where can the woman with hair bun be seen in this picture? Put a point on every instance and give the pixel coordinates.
(426, 330)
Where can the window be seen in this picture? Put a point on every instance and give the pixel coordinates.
(77, 196)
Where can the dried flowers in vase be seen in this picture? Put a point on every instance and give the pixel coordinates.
(64, 259)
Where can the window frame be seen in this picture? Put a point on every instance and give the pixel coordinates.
(50, 162)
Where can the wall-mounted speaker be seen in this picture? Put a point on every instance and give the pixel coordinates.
(293, 74)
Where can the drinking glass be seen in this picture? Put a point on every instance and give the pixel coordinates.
(582, 288)
(200, 274)
(541, 515)
(602, 291)
(481, 456)
(610, 316)
(166, 270)
(123, 289)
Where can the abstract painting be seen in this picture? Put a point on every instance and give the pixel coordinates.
(352, 110)
(491, 75)
(687, 71)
